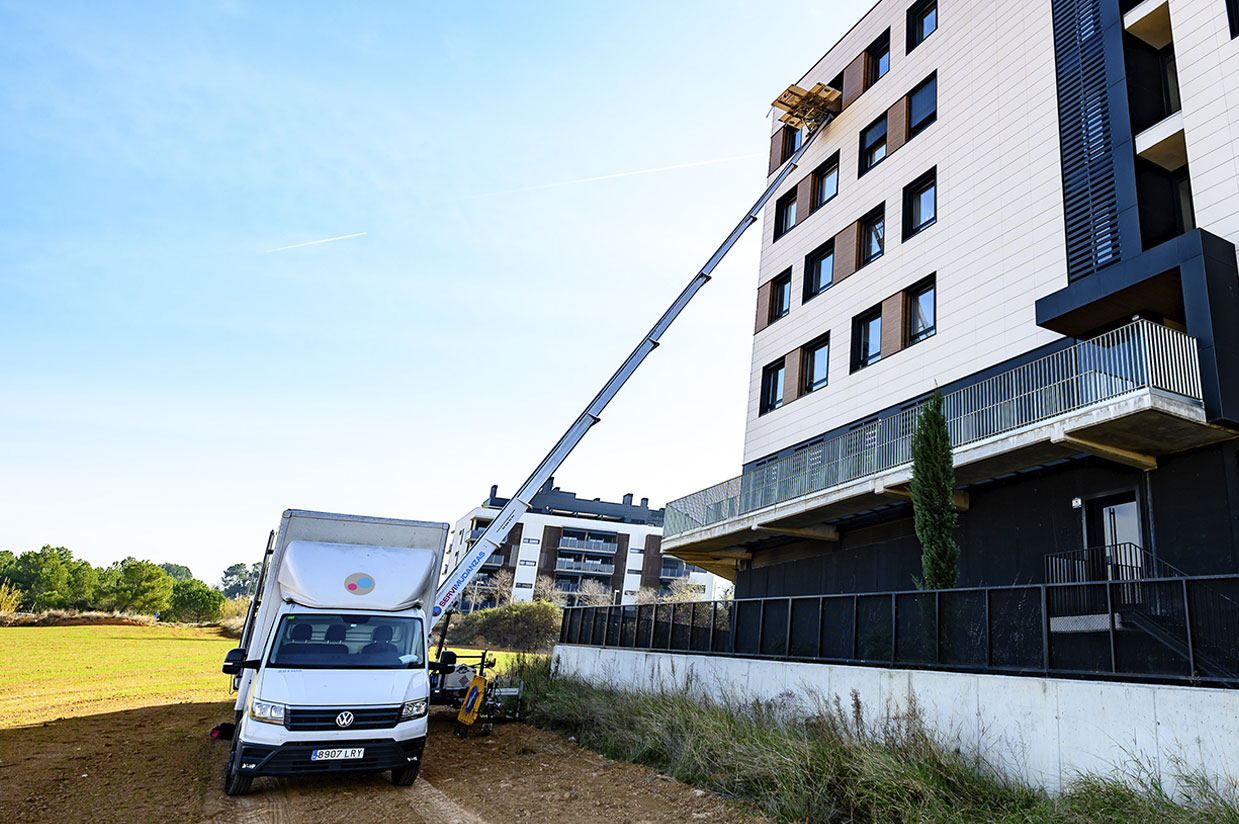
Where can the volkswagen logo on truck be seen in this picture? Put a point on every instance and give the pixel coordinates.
(359, 583)
(344, 719)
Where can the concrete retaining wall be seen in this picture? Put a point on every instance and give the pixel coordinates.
(1044, 730)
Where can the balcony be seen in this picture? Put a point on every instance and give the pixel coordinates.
(674, 572)
(494, 559)
(1130, 395)
(584, 567)
(587, 545)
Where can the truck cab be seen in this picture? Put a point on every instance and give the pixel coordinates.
(332, 673)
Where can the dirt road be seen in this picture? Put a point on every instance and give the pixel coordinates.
(157, 764)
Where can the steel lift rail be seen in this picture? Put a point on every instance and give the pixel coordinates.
(809, 111)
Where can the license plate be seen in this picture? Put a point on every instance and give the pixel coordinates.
(337, 754)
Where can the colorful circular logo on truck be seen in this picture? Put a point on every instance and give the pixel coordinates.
(359, 583)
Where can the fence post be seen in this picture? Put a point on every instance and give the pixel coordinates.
(1187, 622)
(989, 646)
(855, 628)
(821, 616)
(761, 625)
(787, 640)
(1114, 664)
(894, 628)
(713, 622)
(937, 628)
(1045, 629)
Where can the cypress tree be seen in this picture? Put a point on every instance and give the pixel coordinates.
(933, 506)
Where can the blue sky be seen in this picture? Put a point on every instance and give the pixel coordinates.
(169, 384)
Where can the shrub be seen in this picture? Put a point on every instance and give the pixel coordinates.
(10, 597)
(529, 626)
(195, 602)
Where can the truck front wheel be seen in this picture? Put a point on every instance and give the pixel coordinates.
(405, 776)
(235, 784)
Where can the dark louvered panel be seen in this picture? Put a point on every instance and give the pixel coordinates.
(320, 718)
(1090, 197)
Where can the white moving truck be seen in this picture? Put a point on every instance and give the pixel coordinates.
(331, 674)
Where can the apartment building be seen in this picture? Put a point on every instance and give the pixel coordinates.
(1033, 206)
(571, 540)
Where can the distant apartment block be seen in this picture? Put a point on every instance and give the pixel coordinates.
(569, 540)
(1034, 207)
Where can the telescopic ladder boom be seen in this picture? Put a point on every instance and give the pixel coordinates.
(810, 111)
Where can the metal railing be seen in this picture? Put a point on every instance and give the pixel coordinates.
(494, 559)
(674, 572)
(587, 544)
(596, 567)
(1002, 630)
(1140, 355)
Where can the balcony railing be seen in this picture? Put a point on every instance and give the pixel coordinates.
(674, 572)
(593, 567)
(1140, 355)
(494, 559)
(589, 545)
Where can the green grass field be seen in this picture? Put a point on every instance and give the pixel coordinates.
(66, 672)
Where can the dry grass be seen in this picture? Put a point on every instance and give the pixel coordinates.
(830, 765)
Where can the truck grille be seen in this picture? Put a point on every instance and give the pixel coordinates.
(364, 718)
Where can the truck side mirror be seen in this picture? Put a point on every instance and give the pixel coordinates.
(447, 661)
(234, 661)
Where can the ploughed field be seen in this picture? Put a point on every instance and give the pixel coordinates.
(111, 724)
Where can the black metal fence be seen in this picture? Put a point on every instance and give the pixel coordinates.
(1182, 629)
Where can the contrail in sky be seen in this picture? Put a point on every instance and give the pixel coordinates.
(315, 242)
(616, 175)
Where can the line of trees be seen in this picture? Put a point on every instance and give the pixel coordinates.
(51, 578)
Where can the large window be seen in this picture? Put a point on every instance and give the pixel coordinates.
(920, 203)
(1232, 11)
(872, 235)
(923, 105)
(867, 338)
(784, 214)
(819, 270)
(922, 22)
(826, 181)
(772, 386)
(780, 295)
(878, 59)
(816, 365)
(873, 144)
(348, 641)
(792, 138)
(922, 311)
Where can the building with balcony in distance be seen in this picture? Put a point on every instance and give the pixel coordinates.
(1034, 207)
(569, 540)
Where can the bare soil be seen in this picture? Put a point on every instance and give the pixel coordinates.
(159, 764)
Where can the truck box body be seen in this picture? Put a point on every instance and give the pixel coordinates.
(336, 649)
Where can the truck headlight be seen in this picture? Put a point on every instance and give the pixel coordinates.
(266, 711)
(413, 709)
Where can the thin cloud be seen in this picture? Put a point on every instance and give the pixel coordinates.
(314, 242)
(580, 180)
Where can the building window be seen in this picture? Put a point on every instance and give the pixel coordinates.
(772, 387)
(867, 338)
(784, 214)
(872, 235)
(819, 270)
(922, 311)
(923, 105)
(826, 182)
(1232, 11)
(920, 203)
(878, 59)
(780, 295)
(816, 365)
(792, 138)
(873, 144)
(922, 22)
(836, 83)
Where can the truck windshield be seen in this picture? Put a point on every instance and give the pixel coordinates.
(348, 642)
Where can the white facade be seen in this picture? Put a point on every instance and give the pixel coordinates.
(997, 244)
(534, 526)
